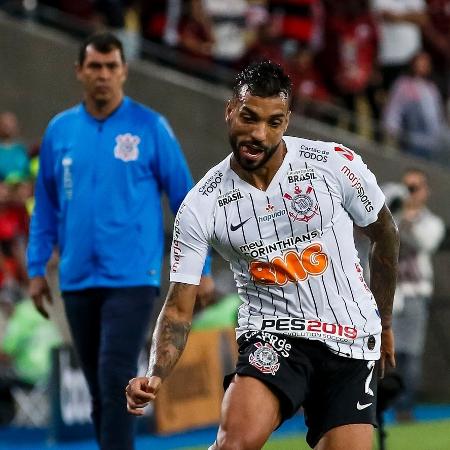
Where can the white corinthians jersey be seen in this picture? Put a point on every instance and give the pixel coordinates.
(291, 247)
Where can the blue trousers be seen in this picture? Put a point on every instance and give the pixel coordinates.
(109, 327)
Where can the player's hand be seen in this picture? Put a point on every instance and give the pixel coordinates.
(39, 291)
(387, 350)
(140, 392)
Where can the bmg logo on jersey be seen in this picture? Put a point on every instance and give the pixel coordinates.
(292, 267)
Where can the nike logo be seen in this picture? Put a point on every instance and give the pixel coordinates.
(360, 407)
(239, 225)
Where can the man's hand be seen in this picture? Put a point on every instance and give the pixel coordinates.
(140, 392)
(39, 290)
(387, 350)
(205, 293)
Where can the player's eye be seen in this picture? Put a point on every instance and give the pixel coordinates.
(275, 124)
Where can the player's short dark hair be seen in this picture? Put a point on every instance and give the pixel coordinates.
(103, 42)
(263, 79)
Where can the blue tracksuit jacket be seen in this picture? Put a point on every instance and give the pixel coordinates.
(98, 196)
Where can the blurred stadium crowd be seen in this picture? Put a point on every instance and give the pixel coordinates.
(379, 68)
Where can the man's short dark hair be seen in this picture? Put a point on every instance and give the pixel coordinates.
(103, 42)
(263, 79)
(418, 171)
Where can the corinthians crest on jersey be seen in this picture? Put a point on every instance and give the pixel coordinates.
(303, 206)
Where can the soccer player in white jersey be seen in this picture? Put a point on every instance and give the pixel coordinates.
(281, 210)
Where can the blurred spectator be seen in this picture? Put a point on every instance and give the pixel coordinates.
(195, 33)
(414, 114)
(28, 340)
(13, 154)
(349, 54)
(113, 12)
(400, 38)
(228, 26)
(267, 45)
(82, 9)
(25, 357)
(436, 34)
(442, 156)
(13, 235)
(421, 232)
(300, 22)
(310, 96)
(109, 12)
(159, 20)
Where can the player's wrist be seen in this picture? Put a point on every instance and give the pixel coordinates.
(156, 371)
(386, 323)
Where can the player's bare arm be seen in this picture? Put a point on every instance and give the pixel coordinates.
(169, 340)
(172, 329)
(384, 236)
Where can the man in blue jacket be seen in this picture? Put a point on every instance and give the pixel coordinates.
(103, 166)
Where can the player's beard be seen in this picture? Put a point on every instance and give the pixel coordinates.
(251, 165)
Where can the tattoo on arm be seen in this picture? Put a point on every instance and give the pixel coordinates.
(383, 263)
(171, 332)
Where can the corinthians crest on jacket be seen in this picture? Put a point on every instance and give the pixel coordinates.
(126, 147)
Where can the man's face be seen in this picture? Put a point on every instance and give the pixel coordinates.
(417, 186)
(9, 127)
(255, 128)
(102, 75)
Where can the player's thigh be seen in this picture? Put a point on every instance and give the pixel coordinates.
(342, 396)
(347, 437)
(250, 412)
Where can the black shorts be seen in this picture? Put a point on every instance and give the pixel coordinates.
(332, 389)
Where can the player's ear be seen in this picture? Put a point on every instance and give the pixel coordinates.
(125, 71)
(228, 110)
(78, 70)
(288, 116)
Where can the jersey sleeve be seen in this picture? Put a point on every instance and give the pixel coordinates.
(362, 198)
(190, 242)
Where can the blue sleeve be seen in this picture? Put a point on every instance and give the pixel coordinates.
(170, 165)
(173, 172)
(43, 227)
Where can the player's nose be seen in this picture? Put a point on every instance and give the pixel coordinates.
(259, 132)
